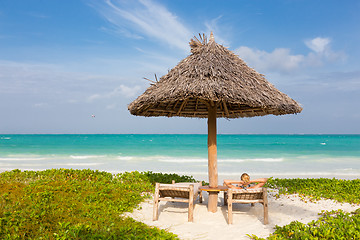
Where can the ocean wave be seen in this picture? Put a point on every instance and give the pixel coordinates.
(22, 159)
(86, 156)
(125, 158)
(229, 160)
(20, 166)
(77, 164)
(158, 159)
(251, 160)
(267, 159)
(182, 160)
(5, 164)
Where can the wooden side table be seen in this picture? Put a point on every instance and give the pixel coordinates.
(213, 190)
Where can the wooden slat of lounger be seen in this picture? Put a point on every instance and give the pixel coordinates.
(174, 200)
(247, 195)
(174, 192)
(247, 201)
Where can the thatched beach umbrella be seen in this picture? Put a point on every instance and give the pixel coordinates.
(212, 83)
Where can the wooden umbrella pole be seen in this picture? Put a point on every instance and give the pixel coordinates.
(212, 158)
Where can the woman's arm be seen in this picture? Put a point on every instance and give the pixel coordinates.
(229, 183)
(233, 182)
(260, 182)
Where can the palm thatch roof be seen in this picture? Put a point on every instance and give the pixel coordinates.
(212, 75)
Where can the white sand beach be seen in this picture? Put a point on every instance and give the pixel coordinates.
(246, 219)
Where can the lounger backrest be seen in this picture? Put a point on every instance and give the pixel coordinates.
(174, 192)
(168, 190)
(249, 194)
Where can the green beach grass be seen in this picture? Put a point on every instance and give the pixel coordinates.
(87, 204)
(76, 204)
(335, 224)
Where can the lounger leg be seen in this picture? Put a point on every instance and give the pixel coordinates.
(200, 197)
(156, 202)
(172, 182)
(191, 204)
(266, 216)
(225, 198)
(229, 203)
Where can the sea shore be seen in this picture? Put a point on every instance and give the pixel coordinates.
(246, 219)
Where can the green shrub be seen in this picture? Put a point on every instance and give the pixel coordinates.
(166, 177)
(73, 204)
(332, 225)
(336, 189)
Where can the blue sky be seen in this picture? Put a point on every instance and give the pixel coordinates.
(62, 61)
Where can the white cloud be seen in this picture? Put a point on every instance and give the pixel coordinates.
(128, 91)
(120, 91)
(141, 18)
(94, 97)
(281, 59)
(52, 84)
(278, 60)
(123, 90)
(213, 26)
(318, 44)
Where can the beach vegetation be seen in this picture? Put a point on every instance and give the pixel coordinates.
(88, 204)
(74, 204)
(335, 224)
(167, 177)
(316, 188)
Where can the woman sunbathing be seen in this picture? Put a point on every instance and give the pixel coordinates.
(245, 182)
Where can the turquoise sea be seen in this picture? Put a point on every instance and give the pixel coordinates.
(259, 155)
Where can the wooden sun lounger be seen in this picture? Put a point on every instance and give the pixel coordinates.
(256, 195)
(177, 192)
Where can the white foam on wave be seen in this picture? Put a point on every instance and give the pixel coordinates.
(230, 160)
(77, 164)
(22, 165)
(86, 156)
(184, 160)
(267, 160)
(125, 158)
(5, 138)
(5, 164)
(158, 158)
(202, 160)
(251, 160)
(22, 159)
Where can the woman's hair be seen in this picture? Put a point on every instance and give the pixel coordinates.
(245, 177)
